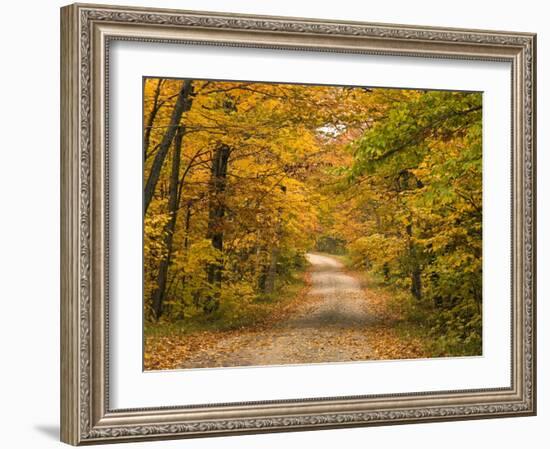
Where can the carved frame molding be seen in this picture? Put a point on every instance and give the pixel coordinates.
(87, 31)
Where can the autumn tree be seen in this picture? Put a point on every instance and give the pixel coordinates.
(424, 159)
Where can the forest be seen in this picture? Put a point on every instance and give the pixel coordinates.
(247, 184)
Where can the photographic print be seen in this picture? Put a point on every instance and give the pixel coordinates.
(291, 223)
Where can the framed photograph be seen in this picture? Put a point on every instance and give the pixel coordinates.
(278, 224)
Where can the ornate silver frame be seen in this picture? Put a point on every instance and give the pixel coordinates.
(86, 32)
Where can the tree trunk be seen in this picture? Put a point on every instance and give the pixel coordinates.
(160, 291)
(259, 268)
(271, 275)
(416, 286)
(183, 104)
(415, 269)
(188, 215)
(217, 184)
(151, 120)
(272, 269)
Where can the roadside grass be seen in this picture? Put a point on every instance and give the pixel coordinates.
(166, 343)
(399, 329)
(263, 309)
(412, 320)
(416, 320)
(396, 312)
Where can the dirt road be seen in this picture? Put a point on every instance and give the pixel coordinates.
(328, 327)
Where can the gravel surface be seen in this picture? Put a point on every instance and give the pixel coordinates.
(328, 327)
